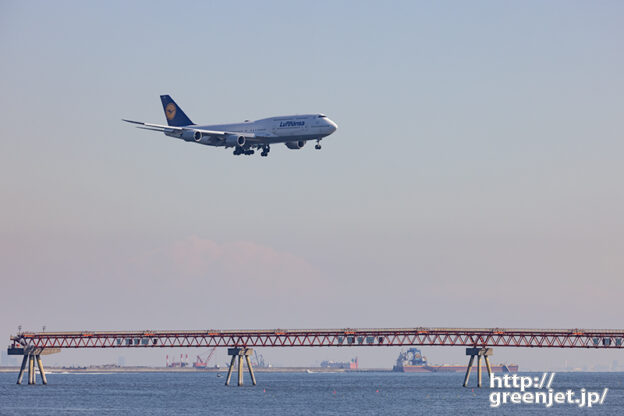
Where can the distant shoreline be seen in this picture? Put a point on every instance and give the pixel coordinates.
(52, 370)
(145, 369)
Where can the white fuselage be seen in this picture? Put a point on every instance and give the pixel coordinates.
(282, 129)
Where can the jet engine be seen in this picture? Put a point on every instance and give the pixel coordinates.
(232, 140)
(194, 135)
(295, 145)
(188, 135)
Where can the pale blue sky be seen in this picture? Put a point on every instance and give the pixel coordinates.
(475, 179)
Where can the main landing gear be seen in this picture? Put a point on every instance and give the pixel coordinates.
(248, 151)
(240, 151)
(265, 151)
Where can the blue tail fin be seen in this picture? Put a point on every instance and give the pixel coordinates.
(174, 114)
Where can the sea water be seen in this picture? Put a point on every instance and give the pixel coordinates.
(201, 393)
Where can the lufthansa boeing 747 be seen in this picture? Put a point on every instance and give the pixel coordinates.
(293, 131)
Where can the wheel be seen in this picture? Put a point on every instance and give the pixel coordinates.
(317, 147)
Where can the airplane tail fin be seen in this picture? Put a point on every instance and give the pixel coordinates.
(174, 114)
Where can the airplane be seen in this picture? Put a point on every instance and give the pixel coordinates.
(294, 131)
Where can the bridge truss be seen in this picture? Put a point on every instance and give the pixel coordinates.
(348, 337)
(239, 342)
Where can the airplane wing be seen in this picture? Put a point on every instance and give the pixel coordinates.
(163, 128)
(216, 136)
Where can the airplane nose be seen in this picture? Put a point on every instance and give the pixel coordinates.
(332, 125)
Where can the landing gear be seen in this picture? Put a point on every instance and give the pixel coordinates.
(318, 144)
(265, 151)
(240, 151)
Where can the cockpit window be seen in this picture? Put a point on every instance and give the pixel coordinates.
(322, 116)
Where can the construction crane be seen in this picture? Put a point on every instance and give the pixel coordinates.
(259, 360)
(177, 364)
(201, 363)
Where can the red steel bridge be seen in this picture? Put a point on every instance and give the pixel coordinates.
(239, 342)
(346, 337)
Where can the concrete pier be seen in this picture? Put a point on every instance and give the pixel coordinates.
(31, 369)
(240, 370)
(250, 368)
(44, 380)
(468, 369)
(238, 355)
(489, 368)
(479, 370)
(20, 376)
(229, 374)
(478, 352)
(31, 357)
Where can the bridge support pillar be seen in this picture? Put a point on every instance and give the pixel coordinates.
(44, 380)
(240, 370)
(20, 376)
(489, 367)
(250, 368)
(31, 361)
(229, 374)
(31, 369)
(479, 370)
(238, 354)
(478, 352)
(32, 378)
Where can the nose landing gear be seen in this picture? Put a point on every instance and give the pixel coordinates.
(318, 144)
(265, 150)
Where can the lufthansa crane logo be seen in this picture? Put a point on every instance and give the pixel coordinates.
(170, 111)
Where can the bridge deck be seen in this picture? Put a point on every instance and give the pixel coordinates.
(345, 337)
